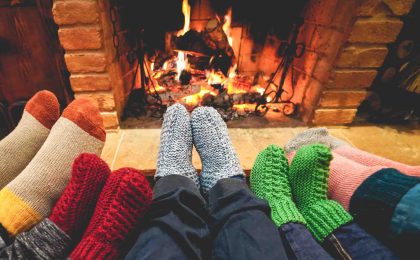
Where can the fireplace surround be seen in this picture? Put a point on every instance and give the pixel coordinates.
(346, 41)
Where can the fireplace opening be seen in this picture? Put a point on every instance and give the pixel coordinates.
(235, 57)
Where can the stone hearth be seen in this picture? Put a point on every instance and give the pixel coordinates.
(346, 42)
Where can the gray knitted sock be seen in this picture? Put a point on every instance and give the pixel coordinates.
(175, 151)
(213, 144)
(318, 135)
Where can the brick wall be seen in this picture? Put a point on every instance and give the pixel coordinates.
(85, 34)
(347, 42)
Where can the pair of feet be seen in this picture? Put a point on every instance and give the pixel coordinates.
(208, 132)
(298, 193)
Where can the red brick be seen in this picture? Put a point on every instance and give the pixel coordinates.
(104, 100)
(352, 79)
(399, 7)
(85, 63)
(73, 12)
(333, 116)
(362, 57)
(342, 98)
(375, 31)
(80, 38)
(90, 82)
(307, 62)
(368, 7)
(110, 120)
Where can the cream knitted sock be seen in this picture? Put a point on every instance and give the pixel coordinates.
(20, 146)
(31, 195)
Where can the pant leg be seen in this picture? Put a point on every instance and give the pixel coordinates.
(350, 241)
(44, 241)
(176, 225)
(240, 224)
(300, 244)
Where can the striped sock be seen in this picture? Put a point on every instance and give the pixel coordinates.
(31, 195)
(21, 145)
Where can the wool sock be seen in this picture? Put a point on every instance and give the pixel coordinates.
(308, 178)
(269, 181)
(371, 160)
(345, 177)
(211, 139)
(73, 210)
(20, 146)
(123, 202)
(317, 135)
(175, 151)
(31, 195)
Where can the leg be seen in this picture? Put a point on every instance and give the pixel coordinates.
(177, 222)
(241, 226)
(350, 241)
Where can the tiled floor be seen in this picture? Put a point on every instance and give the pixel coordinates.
(138, 148)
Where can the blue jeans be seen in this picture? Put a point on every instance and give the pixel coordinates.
(350, 241)
(233, 224)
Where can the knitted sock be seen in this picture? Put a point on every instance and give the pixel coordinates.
(31, 195)
(269, 182)
(121, 206)
(213, 144)
(308, 178)
(369, 159)
(175, 151)
(20, 146)
(73, 210)
(345, 177)
(318, 135)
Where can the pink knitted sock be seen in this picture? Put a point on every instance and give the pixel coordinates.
(369, 159)
(345, 177)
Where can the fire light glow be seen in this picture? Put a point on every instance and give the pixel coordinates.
(181, 63)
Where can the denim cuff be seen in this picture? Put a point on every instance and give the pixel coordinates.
(226, 186)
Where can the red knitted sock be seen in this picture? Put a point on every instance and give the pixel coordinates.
(74, 208)
(124, 200)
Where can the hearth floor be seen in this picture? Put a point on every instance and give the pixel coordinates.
(138, 148)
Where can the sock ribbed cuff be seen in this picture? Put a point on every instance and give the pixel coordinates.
(324, 217)
(15, 215)
(95, 248)
(285, 211)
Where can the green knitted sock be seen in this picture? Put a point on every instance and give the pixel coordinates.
(308, 178)
(269, 182)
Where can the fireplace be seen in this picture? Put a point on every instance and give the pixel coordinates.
(339, 46)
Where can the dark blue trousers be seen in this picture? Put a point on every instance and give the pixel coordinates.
(233, 224)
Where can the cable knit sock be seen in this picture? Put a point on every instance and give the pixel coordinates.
(345, 177)
(31, 195)
(308, 178)
(269, 181)
(20, 146)
(211, 139)
(73, 210)
(175, 151)
(371, 160)
(124, 200)
(318, 135)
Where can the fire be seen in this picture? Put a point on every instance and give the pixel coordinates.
(181, 63)
(226, 26)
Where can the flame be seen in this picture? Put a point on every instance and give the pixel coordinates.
(226, 26)
(181, 63)
(215, 77)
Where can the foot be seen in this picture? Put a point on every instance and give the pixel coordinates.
(211, 139)
(269, 181)
(308, 178)
(175, 151)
